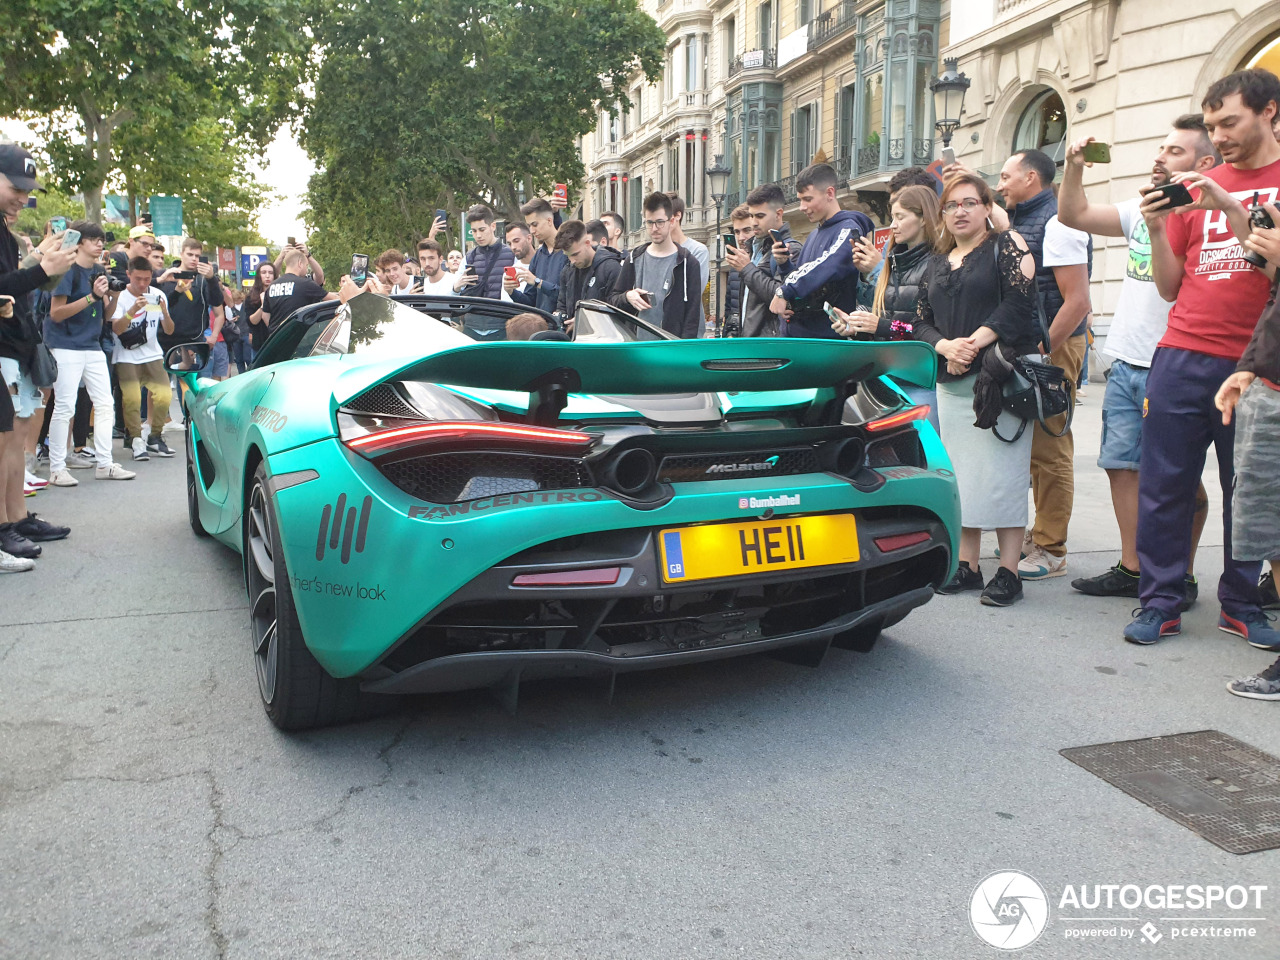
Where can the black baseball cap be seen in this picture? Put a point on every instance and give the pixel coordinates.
(18, 167)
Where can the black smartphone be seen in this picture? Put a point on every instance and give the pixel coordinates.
(185, 275)
(359, 267)
(57, 224)
(1178, 194)
(778, 236)
(204, 259)
(292, 242)
(730, 241)
(443, 215)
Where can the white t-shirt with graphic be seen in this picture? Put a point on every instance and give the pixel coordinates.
(151, 316)
(1141, 314)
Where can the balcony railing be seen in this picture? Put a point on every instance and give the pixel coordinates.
(753, 60)
(868, 158)
(788, 185)
(923, 153)
(832, 23)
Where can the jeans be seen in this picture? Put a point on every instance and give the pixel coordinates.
(1053, 478)
(75, 367)
(133, 377)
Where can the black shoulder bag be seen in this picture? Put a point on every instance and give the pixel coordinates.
(1035, 389)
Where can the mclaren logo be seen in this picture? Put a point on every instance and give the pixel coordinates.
(763, 466)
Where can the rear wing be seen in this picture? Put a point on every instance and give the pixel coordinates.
(657, 367)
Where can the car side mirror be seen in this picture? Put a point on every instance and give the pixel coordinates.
(187, 358)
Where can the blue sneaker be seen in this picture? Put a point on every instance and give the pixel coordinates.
(1150, 625)
(1255, 627)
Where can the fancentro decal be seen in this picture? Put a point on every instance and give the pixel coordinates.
(269, 419)
(503, 502)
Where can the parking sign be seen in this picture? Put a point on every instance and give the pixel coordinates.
(250, 257)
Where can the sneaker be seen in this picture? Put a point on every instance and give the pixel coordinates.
(1265, 686)
(113, 472)
(1190, 592)
(1267, 591)
(42, 453)
(1038, 564)
(966, 578)
(79, 460)
(1116, 582)
(63, 478)
(33, 481)
(29, 491)
(1004, 590)
(140, 449)
(40, 531)
(1149, 625)
(157, 446)
(1028, 543)
(1255, 627)
(11, 564)
(11, 541)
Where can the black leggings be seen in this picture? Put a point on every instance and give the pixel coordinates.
(79, 423)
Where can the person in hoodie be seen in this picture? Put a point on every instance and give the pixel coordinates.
(759, 268)
(660, 280)
(589, 272)
(825, 273)
(731, 323)
(540, 283)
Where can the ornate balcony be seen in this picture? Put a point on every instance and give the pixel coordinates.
(830, 24)
(753, 60)
(868, 158)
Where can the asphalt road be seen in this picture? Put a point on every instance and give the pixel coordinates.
(748, 808)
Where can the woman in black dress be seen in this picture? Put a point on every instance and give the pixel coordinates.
(977, 294)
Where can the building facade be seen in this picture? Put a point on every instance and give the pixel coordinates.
(1044, 74)
(770, 86)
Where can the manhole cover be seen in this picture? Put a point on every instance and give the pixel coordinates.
(1214, 785)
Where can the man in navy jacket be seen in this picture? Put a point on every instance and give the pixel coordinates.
(826, 272)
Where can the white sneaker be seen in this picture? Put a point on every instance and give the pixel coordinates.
(1039, 565)
(11, 564)
(146, 430)
(34, 481)
(63, 478)
(79, 460)
(113, 472)
(140, 449)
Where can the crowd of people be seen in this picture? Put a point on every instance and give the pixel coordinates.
(1194, 343)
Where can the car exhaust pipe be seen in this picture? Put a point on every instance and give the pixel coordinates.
(631, 472)
(845, 457)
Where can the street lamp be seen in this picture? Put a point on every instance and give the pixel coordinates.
(948, 99)
(718, 177)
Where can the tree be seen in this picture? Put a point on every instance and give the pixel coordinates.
(86, 68)
(422, 104)
(53, 203)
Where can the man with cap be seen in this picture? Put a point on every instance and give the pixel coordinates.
(20, 531)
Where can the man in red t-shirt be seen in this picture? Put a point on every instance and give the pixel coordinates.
(1198, 263)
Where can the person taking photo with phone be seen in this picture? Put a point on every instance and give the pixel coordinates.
(917, 224)
(539, 283)
(1137, 324)
(659, 280)
(1218, 297)
(81, 300)
(141, 314)
(758, 264)
(590, 272)
(311, 268)
(292, 291)
(482, 275)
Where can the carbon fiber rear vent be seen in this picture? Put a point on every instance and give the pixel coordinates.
(384, 400)
(457, 477)
(725, 466)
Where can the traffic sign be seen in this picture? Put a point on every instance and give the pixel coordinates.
(166, 216)
(250, 257)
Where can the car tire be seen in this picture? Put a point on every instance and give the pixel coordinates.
(193, 493)
(297, 693)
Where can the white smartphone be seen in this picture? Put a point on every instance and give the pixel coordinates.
(70, 239)
(948, 156)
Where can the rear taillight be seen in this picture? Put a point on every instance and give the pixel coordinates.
(597, 577)
(899, 541)
(461, 434)
(897, 420)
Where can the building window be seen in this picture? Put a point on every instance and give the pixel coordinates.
(1266, 57)
(1043, 126)
(764, 23)
(637, 201)
(668, 74)
(690, 62)
(728, 46)
(613, 127)
(844, 145)
(806, 10)
(804, 136)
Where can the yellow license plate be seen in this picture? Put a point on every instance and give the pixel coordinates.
(761, 546)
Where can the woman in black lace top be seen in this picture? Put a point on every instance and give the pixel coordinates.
(976, 293)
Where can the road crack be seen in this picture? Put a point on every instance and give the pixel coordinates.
(213, 909)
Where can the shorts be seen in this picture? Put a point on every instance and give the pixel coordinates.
(1123, 403)
(28, 399)
(218, 362)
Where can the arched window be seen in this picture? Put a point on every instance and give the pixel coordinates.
(1266, 56)
(1043, 126)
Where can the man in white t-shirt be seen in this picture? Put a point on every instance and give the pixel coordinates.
(436, 280)
(1137, 325)
(391, 263)
(141, 311)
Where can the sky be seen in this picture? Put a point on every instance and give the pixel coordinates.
(286, 170)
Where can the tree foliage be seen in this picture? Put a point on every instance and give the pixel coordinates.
(88, 68)
(421, 104)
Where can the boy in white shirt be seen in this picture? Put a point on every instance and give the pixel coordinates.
(140, 312)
